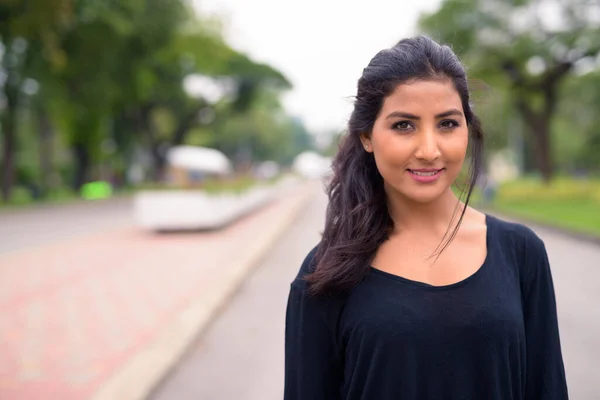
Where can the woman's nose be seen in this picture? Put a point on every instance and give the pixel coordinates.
(428, 149)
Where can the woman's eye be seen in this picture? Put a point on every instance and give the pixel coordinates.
(449, 124)
(402, 126)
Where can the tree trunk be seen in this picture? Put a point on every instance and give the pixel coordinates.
(539, 129)
(145, 125)
(543, 150)
(185, 124)
(539, 121)
(8, 156)
(82, 165)
(159, 147)
(158, 160)
(46, 148)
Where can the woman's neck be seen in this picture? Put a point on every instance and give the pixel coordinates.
(434, 216)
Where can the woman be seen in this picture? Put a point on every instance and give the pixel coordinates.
(411, 294)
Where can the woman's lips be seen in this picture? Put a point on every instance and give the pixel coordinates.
(427, 175)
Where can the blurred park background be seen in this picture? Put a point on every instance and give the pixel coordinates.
(98, 91)
(106, 102)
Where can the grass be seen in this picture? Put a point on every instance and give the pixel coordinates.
(565, 203)
(577, 216)
(22, 198)
(63, 197)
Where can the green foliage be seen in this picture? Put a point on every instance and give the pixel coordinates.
(524, 50)
(107, 79)
(262, 132)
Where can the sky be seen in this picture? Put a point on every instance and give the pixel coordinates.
(321, 46)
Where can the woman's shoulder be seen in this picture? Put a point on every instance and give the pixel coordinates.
(516, 235)
(308, 265)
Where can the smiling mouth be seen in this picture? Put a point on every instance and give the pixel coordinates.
(425, 172)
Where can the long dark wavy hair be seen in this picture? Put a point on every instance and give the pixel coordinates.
(357, 218)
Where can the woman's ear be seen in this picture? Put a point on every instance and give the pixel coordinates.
(366, 142)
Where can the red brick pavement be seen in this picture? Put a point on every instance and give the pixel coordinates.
(73, 312)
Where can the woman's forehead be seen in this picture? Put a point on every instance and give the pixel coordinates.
(424, 95)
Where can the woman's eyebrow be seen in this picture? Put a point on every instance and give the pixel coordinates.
(400, 114)
(448, 113)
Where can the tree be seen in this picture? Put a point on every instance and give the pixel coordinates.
(105, 37)
(263, 132)
(27, 29)
(95, 75)
(200, 51)
(528, 46)
(577, 129)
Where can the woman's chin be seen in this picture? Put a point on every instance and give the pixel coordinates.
(424, 195)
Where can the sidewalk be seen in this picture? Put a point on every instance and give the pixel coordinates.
(105, 315)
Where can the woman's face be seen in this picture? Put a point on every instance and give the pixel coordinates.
(419, 139)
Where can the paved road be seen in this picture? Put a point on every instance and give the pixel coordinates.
(576, 272)
(30, 227)
(241, 356)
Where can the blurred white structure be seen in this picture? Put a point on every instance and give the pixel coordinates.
(167, 210)
(267, 170)
(199, 159)
(192, 208)
(312, 165)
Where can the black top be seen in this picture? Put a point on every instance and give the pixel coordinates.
(492, 336)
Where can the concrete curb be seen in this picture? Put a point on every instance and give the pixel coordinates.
(137, 379)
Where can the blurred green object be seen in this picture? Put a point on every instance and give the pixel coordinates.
(96, 190)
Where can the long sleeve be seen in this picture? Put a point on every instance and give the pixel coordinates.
(545, 376)
(313, 369)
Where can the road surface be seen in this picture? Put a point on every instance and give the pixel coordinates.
(21, 228)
